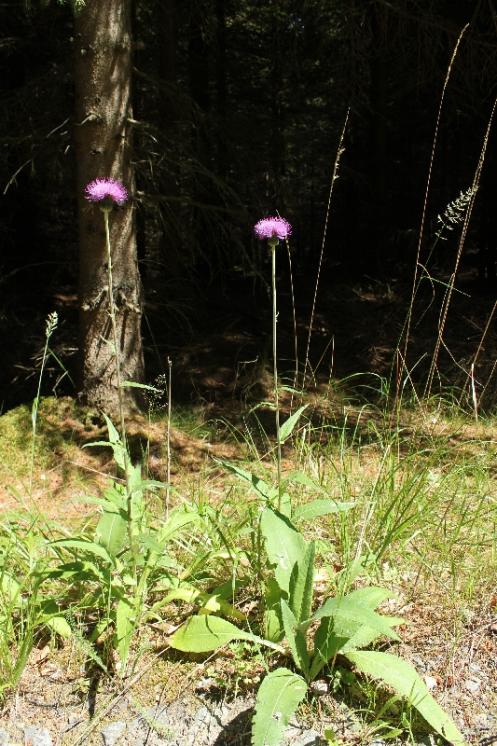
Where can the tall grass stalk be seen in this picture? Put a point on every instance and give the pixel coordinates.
(294, 321)
(418, 265)
(334, 177)
(450, 289)
(477, 353)
(50, 327)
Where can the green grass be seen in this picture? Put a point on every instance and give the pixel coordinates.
(61, 429)
(424, 522)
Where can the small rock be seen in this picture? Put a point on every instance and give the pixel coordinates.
(430, 682)
(4, 737)
(319, 687)
(113, 732)
(204, 684)
(34, 736)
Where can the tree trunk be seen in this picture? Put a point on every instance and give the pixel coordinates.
(103, 149)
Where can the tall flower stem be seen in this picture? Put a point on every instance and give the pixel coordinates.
(273, 243)
(168, 435)
(117, 358)
(274, 230)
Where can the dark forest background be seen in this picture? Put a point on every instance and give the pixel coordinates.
(238, 110)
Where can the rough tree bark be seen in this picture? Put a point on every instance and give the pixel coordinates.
(103, 149)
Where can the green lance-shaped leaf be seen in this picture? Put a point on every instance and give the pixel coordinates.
(405, 680)
(370, 596)
(349, 623)
(115, 443)
(348, 613)
(77, 571)
(341, 633)
(295, 638)
(272, 624)
(260, 487)
(50, 615)
(177, 521)
(301, 585)
(10, 591)
(111, 530)
(288, 426)
(364, 635)
(203, 633)
(318, 508)
(60, 626)
(125, 626)
(327, 643)
(82, 545)
(300, 477)
(285, 546)
(278, 697)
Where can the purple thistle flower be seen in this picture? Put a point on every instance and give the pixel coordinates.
(106, 190)
(273, 228)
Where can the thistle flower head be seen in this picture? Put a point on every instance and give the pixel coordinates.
(106, 191)
(273, 228)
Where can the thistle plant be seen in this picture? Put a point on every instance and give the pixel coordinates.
(125, 553)
(107, 193)
(319, 633)
(274, 230)
(315, 633)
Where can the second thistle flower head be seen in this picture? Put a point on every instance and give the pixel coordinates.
(106, 192)
(273, 228)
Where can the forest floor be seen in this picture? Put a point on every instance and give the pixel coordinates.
(444, 581)
(425, 493)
